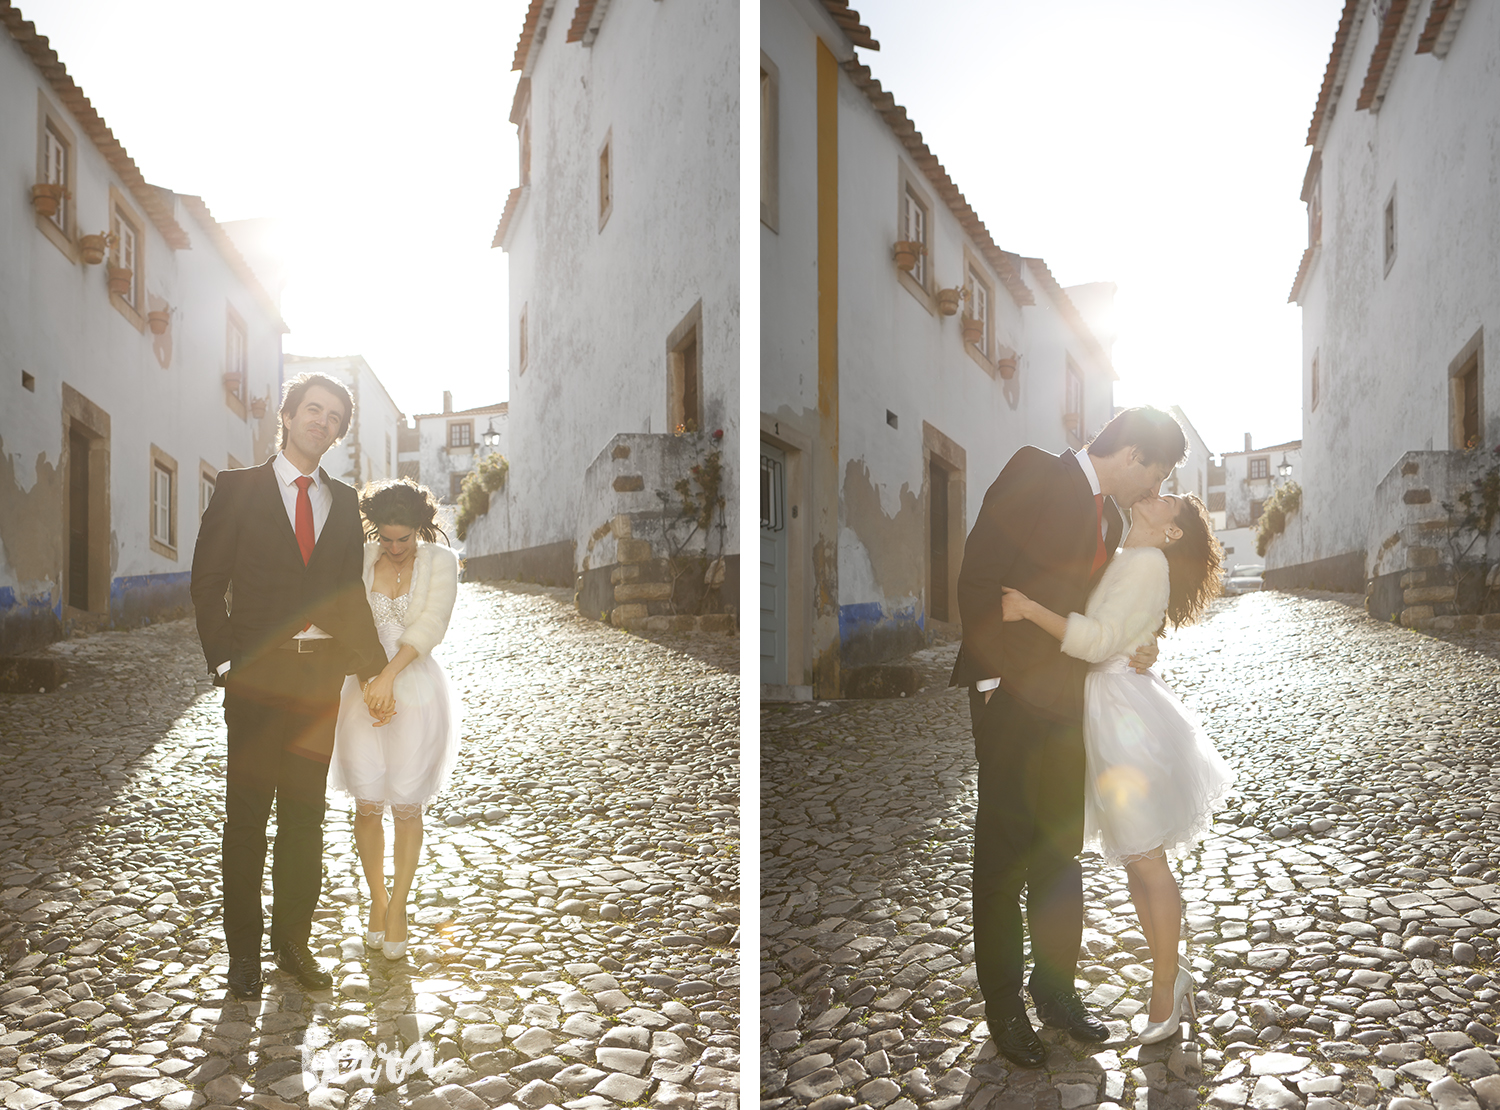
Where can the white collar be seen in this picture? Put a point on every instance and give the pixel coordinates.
(288, 473)
(1087, 465)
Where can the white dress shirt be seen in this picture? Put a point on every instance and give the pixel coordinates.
(322, 500)
(1085, 464)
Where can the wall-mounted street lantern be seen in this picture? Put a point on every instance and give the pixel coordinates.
(490, 436)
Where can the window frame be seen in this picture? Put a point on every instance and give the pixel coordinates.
(456, 484)
(918, 282)
(121, 211)
(467, 426)
(685, 404)
(606, 182)
(1470, 360)
(1075, 388)
(770, 142)
(1316, 382)
(523, 350)
(1388, 229)
(208, 477)
(64, 235)
(234, 326)
(985, 354)
(163, 465)
(1259, 462)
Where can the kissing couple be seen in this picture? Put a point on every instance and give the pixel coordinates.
(318, 610)
(1077, 740)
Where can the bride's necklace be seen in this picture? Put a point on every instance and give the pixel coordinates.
(400, 569)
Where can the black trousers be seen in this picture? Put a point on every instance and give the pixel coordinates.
(1028, 831)
(281, 701)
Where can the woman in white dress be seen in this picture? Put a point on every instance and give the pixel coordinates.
(397, 740)
(1153, 776)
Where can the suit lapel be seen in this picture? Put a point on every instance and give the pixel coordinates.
(332, 525)
(274, 512)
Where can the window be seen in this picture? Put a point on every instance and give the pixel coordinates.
(1255, 511)
(1316, 384)
(1465, 395)
(236, 361)
(1390, 231)
(914, 230)
(208, 478)
(521, 342)
(979, 296)
(1260, 467)
(1073, 403)
(1315, 212)
(606, 183)
(685, 373)
(460, 434)
(770, 80)
(56, 169)
(523, 138)
(127, 262)
(388, 454)
(163, 503)
(456, 485)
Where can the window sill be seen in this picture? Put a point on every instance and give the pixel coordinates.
(125, 309)
(912, 286)
(163, 550)
(982, 359)
(58, 238)
(236, 404)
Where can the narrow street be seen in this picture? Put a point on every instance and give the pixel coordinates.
(1341, 917)
(575, 926)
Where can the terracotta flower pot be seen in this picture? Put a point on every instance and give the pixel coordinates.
(258, 407)
(906, 255)
(1007, 368)
(119, 280)
(948, 302)
(159, 319)
(46, 198)
(973, 330)
(232, 382)
(91, 248)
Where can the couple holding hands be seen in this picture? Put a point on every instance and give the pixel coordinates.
(323, 644)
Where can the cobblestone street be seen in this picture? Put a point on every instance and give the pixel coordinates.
(575, 916)
(1341, 918)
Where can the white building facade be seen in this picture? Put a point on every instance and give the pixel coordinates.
(624, 285)
(369, 450)
(1251, 478)
(139, 356)
(450, 444)
(884, 418)
(1398, 285)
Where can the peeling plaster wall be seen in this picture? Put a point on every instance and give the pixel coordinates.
(600, 304)
(57, 324)
(1385, 341)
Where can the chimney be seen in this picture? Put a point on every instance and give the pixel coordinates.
(1247, 435)
(448, 407)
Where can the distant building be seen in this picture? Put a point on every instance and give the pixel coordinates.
(622, 239)
(1398, 287)
(1251, 477)
(446, 445)
(139, 356)
(905, 356)
(368, 451)
(1195, 474)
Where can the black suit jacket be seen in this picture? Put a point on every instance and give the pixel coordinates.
(245, 540)
(1036, 532)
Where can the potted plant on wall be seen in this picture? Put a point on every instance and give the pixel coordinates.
(93, 248)
(1007, 367)
(257, 407)
(947, 300)
(46, 197)
(159, 319)
(232, 382)
(119, 278)
(906, 254)
(973, 330)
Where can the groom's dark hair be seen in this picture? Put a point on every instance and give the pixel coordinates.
(1155, 434)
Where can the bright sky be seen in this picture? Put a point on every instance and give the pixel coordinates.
(375, 133)
(1157, 144)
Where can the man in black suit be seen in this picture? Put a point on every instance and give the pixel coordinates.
(285, 539)
(1047, 527)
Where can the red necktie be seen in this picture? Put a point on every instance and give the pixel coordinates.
(305, 537)
(1101, 553)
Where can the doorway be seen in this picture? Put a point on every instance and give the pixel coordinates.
(773, 566)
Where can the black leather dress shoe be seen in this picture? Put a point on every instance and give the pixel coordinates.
(297, 961)
(1067, 1012)
(244, 978)
(1017, 1041)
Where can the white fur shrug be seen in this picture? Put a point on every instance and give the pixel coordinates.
(1125, 609)
(434, 589)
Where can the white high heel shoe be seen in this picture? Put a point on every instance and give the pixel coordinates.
(374, 937)
(394, 949)
(1182, 992)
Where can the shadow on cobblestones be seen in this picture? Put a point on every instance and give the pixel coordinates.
(574, 925)
(1341, 917)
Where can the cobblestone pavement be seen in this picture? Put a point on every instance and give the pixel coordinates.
(1341, 917)
(576, 912)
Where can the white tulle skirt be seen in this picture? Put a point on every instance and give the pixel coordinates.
(408, 760)
(1154, 778)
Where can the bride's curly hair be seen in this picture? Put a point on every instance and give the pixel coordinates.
(403, 503)
(1194, 562)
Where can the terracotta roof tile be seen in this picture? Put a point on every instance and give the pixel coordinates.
(895, 117)
(529, 30)
(1331, 74)
(232, 255)
(511, 203)
(1385, 49)
(1442, 24)
(158, 208)
(1302, 271)
(1069, 312)
(848, 20)
(580, 20)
